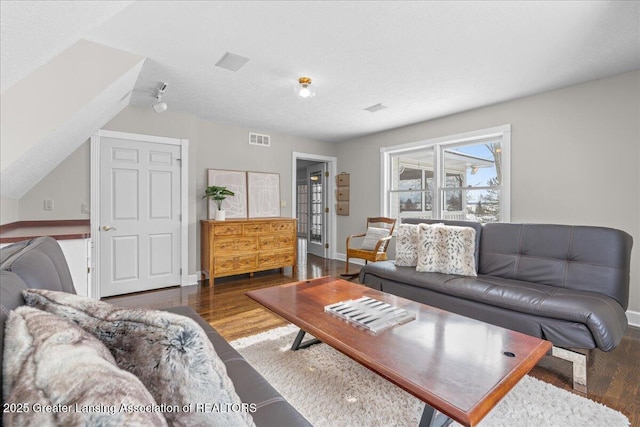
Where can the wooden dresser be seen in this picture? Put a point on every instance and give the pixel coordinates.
(237, 246)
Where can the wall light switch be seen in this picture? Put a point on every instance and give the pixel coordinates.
(283, 203)
(84, 208)
(48, 205)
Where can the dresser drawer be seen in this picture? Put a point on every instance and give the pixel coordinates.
(225, 245)
(235, 264)
(227, 230)
(276, 242)
(275, 259)
(257, 228)
(282, 227)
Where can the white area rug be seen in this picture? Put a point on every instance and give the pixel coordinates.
(330, 389)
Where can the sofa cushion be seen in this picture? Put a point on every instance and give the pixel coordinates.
(574, 257)
(40, 263)
(171, 354)
(407, 242)
(446, 249)
(50, 362)
(604, 317)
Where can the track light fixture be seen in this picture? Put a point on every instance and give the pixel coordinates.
(160, 106)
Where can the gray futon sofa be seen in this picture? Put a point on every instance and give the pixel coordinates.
(565, 284)
(39, 263)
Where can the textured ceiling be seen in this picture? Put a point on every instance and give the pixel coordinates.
(33, 32)
(420, 59)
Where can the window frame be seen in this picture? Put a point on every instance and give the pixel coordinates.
(439, 145)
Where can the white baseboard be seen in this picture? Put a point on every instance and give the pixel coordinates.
(343, 257)
(633, 317)
(192, 279)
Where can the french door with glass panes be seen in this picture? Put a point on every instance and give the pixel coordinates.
(317, 207)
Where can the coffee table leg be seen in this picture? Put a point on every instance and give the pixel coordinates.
(298, 344)
(431, 417)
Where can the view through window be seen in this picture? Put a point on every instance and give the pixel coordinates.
(463, 177)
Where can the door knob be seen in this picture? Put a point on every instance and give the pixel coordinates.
(108, 228)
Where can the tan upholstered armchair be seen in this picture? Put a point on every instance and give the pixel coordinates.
(375, 243)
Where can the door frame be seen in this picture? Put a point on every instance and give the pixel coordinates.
(94, 286)
(332, 168)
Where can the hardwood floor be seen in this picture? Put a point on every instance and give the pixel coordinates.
(613, 377)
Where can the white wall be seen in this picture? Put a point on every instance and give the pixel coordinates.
(68, 185)
(575, 158)
(77, 91)
(218, 146)
(9, 211)
(211, 145)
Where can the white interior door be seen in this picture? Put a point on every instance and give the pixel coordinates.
(317, 208)
(140, 224)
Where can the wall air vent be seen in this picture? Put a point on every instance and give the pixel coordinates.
(258, 139)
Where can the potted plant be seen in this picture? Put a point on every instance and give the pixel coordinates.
(218, 194)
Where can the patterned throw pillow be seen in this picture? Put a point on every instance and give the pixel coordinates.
(447, 249)
(373, 236)
(169, 353)
(407, 243)
(56, 373)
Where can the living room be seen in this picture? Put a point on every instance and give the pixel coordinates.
(574, 135)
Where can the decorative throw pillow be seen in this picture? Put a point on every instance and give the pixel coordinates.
(373, 236)
(407, 243)
(55, 373)
(447, 249)
(171, 355)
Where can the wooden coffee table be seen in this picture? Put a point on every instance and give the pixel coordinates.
(459, 367)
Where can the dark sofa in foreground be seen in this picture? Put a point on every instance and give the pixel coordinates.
(565, 284)
(39, 263)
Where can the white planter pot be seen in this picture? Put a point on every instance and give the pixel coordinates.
(220, 215)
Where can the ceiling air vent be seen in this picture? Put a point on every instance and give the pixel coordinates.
(258, 139)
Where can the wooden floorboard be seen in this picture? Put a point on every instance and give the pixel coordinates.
(613, 377)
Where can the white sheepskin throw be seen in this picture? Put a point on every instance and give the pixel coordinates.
(55, 373)
(169, 353)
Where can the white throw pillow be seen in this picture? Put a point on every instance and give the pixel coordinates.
(372, 237)
(407, 243)
(447, 249)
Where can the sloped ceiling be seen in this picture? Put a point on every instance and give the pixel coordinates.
(51, 112)
(57, 89)
(33, 32)
(422, 60)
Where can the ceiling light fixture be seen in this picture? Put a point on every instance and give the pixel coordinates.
(160, 106)
(305, 91)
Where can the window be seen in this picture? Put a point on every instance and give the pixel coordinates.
(303, 209)
(461, 177)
